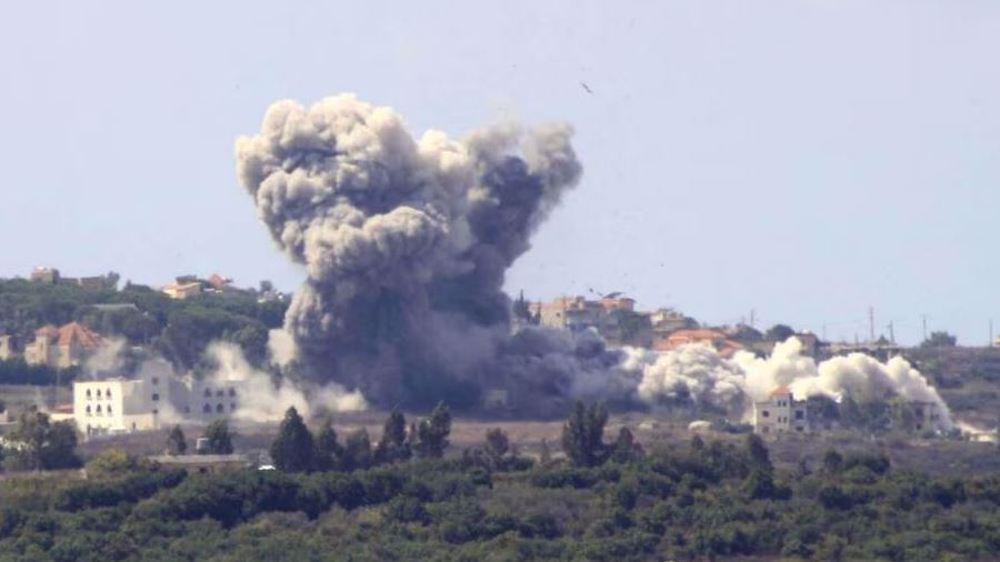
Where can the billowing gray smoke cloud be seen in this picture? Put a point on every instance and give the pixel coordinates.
(405, 243)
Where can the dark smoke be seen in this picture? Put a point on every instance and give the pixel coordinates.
(405, 243)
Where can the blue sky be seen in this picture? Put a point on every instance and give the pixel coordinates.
(806, 159)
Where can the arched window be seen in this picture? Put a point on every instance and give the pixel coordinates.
(88, 394)
(207, 409)
(232, 407)
(98, 408)
(98, 393)
(232, 392)
(156, 397)
(107, 393)
(220, 393)
(88, 409)
(109, 409)
(220, 409)
(208, 393)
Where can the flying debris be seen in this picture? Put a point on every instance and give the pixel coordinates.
(587, 88)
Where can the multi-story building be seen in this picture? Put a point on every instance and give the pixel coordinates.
(780, 413)
(151, 399)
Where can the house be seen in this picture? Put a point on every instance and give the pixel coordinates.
(63, 347)
(725, 346)
(143, 403)
(49, 275)
(780, 413)
(182, 290)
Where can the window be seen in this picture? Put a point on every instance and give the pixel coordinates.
(155, 411)
(88, 409)
(88, 394)
(232, 392)
(220, 393)
(107, 393)
(156, 380)
(187, 409)
(109, 409)
(98, 408)
(798, 428)
(207, 409)
(765, 414)
(208, 393)
(98, 394)
(220, 409)
(156, 397)
(232, 407)
(800, 415)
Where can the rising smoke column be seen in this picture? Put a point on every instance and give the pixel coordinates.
(405, 241)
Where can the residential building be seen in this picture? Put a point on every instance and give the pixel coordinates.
(145, 402)
(717, 339)
(203, 464)
(48, 275)
(182, 290)
(780, 413)
(67, 346)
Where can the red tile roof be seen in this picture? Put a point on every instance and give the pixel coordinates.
(76, 333)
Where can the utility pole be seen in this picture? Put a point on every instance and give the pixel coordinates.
(871, 323)
(892, 333)
(924, 318)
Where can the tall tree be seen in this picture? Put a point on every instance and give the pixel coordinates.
(392, 446)
(42, 445)
(432, 433)
(220, 439)
(329, 454)
(357, 451)
(293, 450)
(176, 444)
(497, 443)
(583, 435)
(760, 457)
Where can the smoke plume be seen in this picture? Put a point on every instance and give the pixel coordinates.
(698, 371)
(404, 241)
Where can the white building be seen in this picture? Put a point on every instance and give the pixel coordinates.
(151, 400)
(781, 413)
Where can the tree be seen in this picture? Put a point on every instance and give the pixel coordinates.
(220, 439)
(497, 443)
(293, 450)
(392, 446)
(626, 448)
(939, 339)
(357, 451)
(329, 454)
(42, 445)
(833, 462)
(760, 457)
(176, 444)
(779, 332)
(583, 435)
(432, 433)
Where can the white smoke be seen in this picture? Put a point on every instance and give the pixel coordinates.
(699, 372)
(108, 358)
(265, 399)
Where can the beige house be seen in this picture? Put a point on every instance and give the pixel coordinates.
(780, 413)
(6, 348)
(182, 291)
(63, 347)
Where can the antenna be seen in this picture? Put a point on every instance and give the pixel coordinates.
(871, 323)
(923, 317)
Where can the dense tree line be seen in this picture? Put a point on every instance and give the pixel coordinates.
(609, 500)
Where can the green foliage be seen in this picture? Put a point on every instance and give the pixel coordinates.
(432, 433)
(393, 446)
(329, 453)
(220, 439)
(176, 444)
(16, 371)
(779, 332)
(583, 435)
(293, 450)
(41, 445)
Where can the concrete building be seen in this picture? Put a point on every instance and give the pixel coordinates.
(67, 346)
(48, 275)
(780, 413)
(203, 464)
(150, 400)
(182, 290)
(717, 339)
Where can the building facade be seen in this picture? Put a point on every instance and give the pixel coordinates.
(63, 347)
(780, 413)
(152, 400)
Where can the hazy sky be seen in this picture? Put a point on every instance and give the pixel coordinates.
(804, 158)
